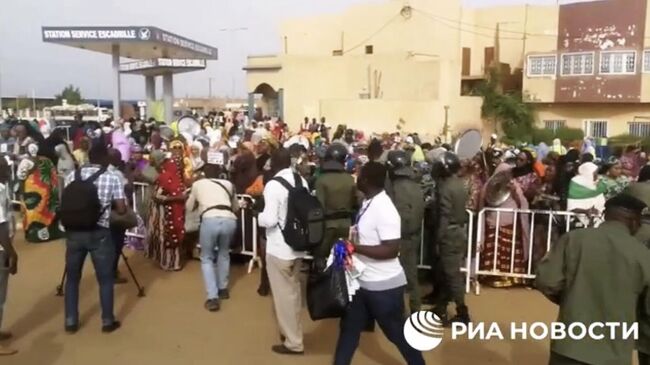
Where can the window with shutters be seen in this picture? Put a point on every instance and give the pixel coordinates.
(618, 63)
(646, 61)
(596, 128)
(639, 129)
(554, 125)
(543, 65)
(577, 64)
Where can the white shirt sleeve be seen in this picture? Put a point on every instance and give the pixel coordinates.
(270, 217)
(389, 223)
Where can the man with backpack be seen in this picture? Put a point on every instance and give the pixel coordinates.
(288, 215)
(85, 210)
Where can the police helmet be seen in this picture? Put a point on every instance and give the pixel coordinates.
(446, 165)
(334, 158)
(399, 163)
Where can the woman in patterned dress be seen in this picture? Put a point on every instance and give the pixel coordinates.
(40, 197)
(166, 229)
(524, 186)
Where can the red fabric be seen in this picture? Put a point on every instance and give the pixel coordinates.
(172, 185)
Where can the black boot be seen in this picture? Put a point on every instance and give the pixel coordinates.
(462, 315)
(441, 312)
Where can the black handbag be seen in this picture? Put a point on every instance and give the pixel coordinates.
(327, 293)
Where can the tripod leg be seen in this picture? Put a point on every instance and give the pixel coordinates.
(59, 288)
(135, 280)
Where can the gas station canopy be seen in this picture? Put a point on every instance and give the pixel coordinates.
(159, 53)
(160, 66)
(137, 42)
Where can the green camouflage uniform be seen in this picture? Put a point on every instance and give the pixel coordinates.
(337, 192)
(408, 197)
(452, 240)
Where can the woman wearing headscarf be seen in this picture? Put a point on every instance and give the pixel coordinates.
(120, 141)
(525, 175)
(166, 228)
(587, 196)
(40, 197)
(612, 178)
(631, 161)
(195, 156)
(182, 160)
(524, 187)
(558, 148)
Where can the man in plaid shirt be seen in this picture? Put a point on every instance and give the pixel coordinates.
(98, 243)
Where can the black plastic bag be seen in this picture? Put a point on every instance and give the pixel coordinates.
(327, 293)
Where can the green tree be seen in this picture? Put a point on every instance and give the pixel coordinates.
(507, 110)
(71, 94)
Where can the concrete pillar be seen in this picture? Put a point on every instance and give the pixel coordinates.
(116, 81)
(168, 97)
(280, 109)
(150, 92)
(251, 106)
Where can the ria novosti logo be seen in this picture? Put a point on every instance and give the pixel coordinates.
(423, 330)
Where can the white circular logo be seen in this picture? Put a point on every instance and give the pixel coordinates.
(145, 34)
(423, 330)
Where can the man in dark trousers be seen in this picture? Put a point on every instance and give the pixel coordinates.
(597, 275)
(96, 241)
(451, 237)
(408, 197)
(336, 191)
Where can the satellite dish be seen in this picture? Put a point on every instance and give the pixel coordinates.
(497, 190)
(189, 125)
(469, 144)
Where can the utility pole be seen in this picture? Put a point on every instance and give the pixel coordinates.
(231, 44)
(210, 87)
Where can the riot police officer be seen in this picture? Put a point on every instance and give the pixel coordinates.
(408, 197)
(337, 192)
(451, 236)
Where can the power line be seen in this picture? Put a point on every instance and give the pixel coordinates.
(391, 20)
(459, 22)
(466, 30)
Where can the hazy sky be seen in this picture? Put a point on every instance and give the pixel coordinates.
(26, 63)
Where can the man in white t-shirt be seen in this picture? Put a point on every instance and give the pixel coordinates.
(381, 297)
(282, 262)
(8, 256)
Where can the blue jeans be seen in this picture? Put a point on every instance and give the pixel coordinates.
(215, 234)
(387, 308)
(102, 252)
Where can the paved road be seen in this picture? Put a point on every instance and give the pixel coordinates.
(170, 326)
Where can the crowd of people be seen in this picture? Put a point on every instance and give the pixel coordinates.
(375, 190)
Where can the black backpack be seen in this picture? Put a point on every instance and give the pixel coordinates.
(305, 222)
(80, 206)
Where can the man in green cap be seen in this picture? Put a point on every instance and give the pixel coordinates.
(597, 275)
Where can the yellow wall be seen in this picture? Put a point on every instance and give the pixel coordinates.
(425, 117)
(617, 116)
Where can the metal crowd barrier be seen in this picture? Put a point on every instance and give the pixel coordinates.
(555, 221)
(140, 197)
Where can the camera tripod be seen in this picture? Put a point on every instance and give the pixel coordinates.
(59, 288)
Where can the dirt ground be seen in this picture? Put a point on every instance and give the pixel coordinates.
(170, 326)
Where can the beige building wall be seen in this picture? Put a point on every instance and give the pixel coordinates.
(616, 116)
